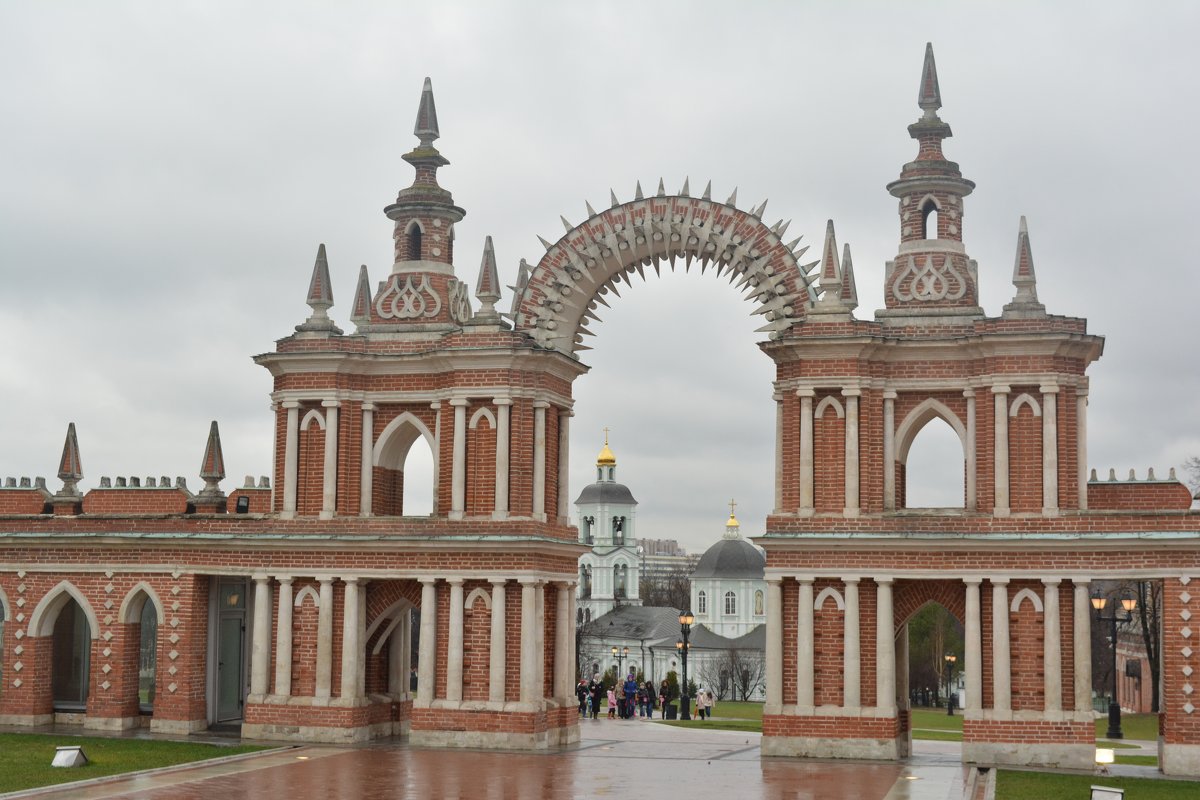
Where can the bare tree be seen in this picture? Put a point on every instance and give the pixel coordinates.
(713, 672)
(1149, 596)
(1192, 467)
(671, 589)
(749, 671)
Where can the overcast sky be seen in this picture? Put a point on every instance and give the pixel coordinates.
(167, 171)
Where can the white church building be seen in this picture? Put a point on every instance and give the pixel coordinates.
(608, 573)
(728, 586)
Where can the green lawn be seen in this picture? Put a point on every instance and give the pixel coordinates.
(25, 758)
(1015, 785)
(1134, 726)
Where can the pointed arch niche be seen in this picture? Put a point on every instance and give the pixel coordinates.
(403, 480)
(931, 458)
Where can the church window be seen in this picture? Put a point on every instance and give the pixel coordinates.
(730, 603)
(414, 242)
(929, 220)
(620, 580)
(702, 603)
(758, 603)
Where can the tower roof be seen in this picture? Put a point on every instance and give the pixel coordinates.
(606, 457)
(70, 467)
(426, 127)
(929, 97)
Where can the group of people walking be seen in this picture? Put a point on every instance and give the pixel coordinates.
(633, 699)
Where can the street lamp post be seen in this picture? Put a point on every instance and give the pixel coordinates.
(685, 628)
(1128, 604)
(620, 654)
(950, 659)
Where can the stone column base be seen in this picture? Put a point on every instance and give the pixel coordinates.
(831, 747)
(178, 727)
(1179, 759)
(1031, 754)
(95, 723)
(27, 720)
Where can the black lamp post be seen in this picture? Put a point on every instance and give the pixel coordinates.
(685, 628)
(950, 659)
(620, 654)
(1128, 605)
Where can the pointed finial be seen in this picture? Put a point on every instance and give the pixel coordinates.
(613, 201)
(487, 288)
(685, 191)
(831, 272)
(70, 467)
(1025, 301)
(708, 191)
(320, 297)
(567, 226)
(849, 289)
(732, 527)
(545, 244)
(930, 96)
(732, 201)
(360, 311)
(591, 211)
(212, 469)
(662, 189)
(426, 128)
(637, 195)
(519, 288)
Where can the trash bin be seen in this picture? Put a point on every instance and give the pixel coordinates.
(670, 711)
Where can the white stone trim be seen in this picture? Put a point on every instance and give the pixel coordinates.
(307, 591)
(1026, 594)
(128, 614)
(916, 420)
(484, 413)
(41, 621)
(477, 593)
(386, 434)
(387, 614)
(313, 414)
(827, 593)
(1024, 399)
(829, 402)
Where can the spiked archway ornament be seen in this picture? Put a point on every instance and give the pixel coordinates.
(556, 300)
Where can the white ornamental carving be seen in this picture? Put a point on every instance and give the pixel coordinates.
(460, 302)
(408, 300)
(928, 283)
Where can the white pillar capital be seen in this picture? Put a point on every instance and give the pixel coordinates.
(968, 393)
(541, 404)
(331, 404)
(459, 402)
(807, 391)
(852, 391)
(890, 394)
(1051, 581)
(502, 401)
(1001, 388)
(290, 404)
(1049, 388)
(367, 405)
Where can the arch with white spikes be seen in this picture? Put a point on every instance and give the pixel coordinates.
(556, 300)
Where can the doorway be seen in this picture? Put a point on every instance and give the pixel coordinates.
(229, 684)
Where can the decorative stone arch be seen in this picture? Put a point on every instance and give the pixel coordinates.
(391, 616)
(135, 600)
(482, 413)
(925, 411)
(556, 300)
(394, 442)
(829, 402)
(479, 593)
(306, 593)
(41, 621)
(1024, 399)
(308, 419)
(827, 593)
(1022, 596)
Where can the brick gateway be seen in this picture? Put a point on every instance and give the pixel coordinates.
(285, 609)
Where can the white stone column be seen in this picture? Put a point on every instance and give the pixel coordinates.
(1001, 646)
(805, 649)
(458, 463)
(852, 501)
(361, 637)
(806, 450)
(283, 637)
(454, 642)
(324, 687)
(1052, 647)
(564, 471)
(1081, 457)
(539, 459)
(427, 655)
(260, 650)
(1049, 449)
(889, 450)
(291, 449)
(885, 647)
(276, 478)
(528, 640)
(774, 647)
(851, 647)
(397, 672)
(563, 626)
(503, 410)
(973, 646)
(972, 453)
(497, 645)
(1000, 425)
(539, 641)
(367, 474)
(437, 457)
(329, 469)
(778, 398)
(405, 632)
(1083, 648)
(351, 646)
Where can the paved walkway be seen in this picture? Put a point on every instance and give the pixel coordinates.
(615, 759)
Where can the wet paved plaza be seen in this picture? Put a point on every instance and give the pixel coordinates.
(615, 759)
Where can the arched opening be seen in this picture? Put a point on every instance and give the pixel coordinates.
(621, 581)
(929, 220)
(585, 580)
(404, 470)
(930, 664)
(931, 459)
(70, 659)
(147, 657)
(414, 241)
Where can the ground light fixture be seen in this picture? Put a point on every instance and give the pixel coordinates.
(1107, 793)
(70, 756)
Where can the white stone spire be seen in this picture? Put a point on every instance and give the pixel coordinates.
(320, 298)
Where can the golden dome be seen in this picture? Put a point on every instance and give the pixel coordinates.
(606, 457)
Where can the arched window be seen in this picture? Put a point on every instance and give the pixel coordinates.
(403, 475)
(618, 526)
(585, 580)
(414, 242)
(147, 657)
(730, 603)
(929, 220)
(620, 579)
(69, 663)
(589, 536)
(758, 603)
(702, 603)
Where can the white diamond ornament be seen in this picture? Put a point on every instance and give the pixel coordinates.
(1188, 707)
(1185, 597)
(1187, 671)
(1185, 632)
